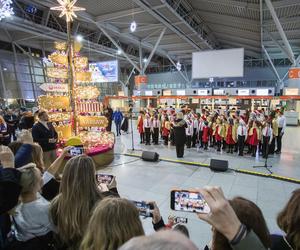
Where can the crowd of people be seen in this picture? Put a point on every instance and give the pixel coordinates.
(226, 130)
(46, 204)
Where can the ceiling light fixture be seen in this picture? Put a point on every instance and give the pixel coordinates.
(133, 26)
(145, 60)
(79, 38)
(5, 9)
(119, 52)
(178, 66)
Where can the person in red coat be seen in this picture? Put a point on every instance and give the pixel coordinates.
(140, 126)
(254, 138)
(205, 135)
(230, 136)
(218, 134)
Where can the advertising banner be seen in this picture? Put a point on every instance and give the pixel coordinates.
(105, 71)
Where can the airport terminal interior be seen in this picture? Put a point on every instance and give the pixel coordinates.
(149, 124)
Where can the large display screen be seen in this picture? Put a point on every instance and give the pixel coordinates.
(218, 63)
(105, 71)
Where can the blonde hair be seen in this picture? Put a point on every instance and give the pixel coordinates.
(71, 208)
(179, 115)
(37, 156)
(2, 121)
(114, 222)
(29, 178)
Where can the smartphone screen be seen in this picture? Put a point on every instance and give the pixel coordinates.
(104, 178)
(144, 208)
(181, 220)
(188, 201)
(76, 150)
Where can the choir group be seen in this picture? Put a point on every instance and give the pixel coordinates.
(224, 130)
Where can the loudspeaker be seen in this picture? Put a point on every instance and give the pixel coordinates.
(218, 165)
(150, 156)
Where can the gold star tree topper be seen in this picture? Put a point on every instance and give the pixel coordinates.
(67, 8)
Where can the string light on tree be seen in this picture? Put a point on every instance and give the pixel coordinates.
(5, 9)
(68, 9)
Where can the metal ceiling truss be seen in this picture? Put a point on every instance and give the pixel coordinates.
(164, 20)
(288, 48)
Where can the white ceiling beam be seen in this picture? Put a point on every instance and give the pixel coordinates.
(240, 39)
(248, 52)
(166, 22)
(240, 45)
(271, 62)
(285, 3)
(232, 3)
(172, 45)
(281, 31)
(283, 20)
(119, 14)
(214, 16)
(283, 49)
(123, 13)
(154, 50)
(166, 37)
(142, 28)
(219, 28)
(181, 51)
(209, 41)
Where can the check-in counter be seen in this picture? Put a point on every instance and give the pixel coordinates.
(291, 118)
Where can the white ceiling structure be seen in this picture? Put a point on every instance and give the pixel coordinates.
(173, 28)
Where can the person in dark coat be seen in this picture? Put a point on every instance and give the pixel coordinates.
(45, 135)
(124, 126)
(11, 121)
(179, 126)
(118, 118)
(109, 115)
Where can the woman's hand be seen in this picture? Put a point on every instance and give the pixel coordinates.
(156, 213)
(222, 216)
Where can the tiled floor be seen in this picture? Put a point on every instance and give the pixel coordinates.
(141, 180)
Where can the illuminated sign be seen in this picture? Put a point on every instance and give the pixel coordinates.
(243, 92)
(219, 92)
(167, 92)
(148, 93)
(180, 92)
(262, 92)
(290, 91)
(202, 92)
(294, 73)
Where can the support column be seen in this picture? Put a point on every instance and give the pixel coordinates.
(16, 70)
(184, 77)
(141, 58)
(3, 85)
(32, 76)
(154, 49)
(118, 47)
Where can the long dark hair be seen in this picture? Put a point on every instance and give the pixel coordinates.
(251, 216)
(289, 220)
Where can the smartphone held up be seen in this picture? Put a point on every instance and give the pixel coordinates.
(144, 208)
(104, 178)
(188, 201)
